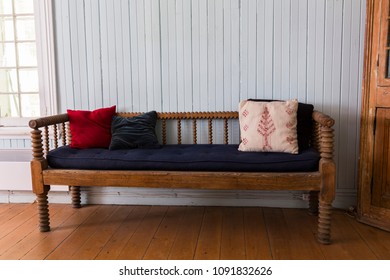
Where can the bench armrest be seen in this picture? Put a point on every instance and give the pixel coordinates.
(323, 135)
(49, 126)
(323, 119)
(50, 120)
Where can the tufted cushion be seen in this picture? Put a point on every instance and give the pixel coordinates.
(134, 132)
(268, 126)
(201, 157)
(91, 129)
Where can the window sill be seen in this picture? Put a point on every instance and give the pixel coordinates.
(14, 132)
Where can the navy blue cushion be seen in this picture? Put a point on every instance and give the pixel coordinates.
(201, 157)
(134, 132)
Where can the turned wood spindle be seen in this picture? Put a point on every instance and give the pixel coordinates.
(63, 133)
(178, 131)
(324, 222)
(55, 134)
(210, 126)
(68, 134)
(226, 131)
(164, 131)
(36, 143)
(43, 212)
(46, 139)
(194, 131)
(76, 196)
(327, 142)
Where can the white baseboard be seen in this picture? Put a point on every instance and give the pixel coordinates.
(142, 196)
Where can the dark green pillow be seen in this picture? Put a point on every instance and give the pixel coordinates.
(134, 132)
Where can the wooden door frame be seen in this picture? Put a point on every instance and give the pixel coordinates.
(366, 212)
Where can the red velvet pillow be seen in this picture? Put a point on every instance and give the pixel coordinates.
(91, 129)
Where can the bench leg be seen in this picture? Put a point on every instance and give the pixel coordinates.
(76, 197)
(324, 222)
(43, 211)
(327, 195)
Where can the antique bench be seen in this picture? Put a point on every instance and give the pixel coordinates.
(51, 137)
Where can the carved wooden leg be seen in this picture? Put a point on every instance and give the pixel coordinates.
(76, 197)
(43, 212)
(313, 202)
(326, 197)
(324, 222)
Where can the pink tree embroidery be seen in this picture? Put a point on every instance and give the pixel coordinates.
(265, 128)
(290, 110)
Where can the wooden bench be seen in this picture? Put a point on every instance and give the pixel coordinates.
(52, 132)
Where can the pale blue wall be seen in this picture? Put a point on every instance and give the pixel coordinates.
(199, 55)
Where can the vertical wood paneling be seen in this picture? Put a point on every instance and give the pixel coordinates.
(78, 50)
(333, 56)
(15, 143)
(349, 104)
(64, 75)
(107, 52)
(227, 54)
(117, 95)
(93, 46)
(319, 54)
(251, 48)
(187, 53)
(195, 48)
(171, 55)
(165, 73)
(268, 51)
(285, 51)
(302, 15)
(211, 55)
(279, 62)
(219, 56)
(234, 78)
(295, 13)
(171, 45)
(203, 54)
(260, 55)
(181, 100)
(140, 39)
(312, 23)
(134, 57)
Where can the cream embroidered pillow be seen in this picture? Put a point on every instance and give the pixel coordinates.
(268, 126)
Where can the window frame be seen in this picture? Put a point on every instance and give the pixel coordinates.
(44, 29)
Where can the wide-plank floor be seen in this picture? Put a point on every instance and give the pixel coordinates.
(111, 232)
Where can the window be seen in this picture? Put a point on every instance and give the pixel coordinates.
(19, 86)
(27, 68)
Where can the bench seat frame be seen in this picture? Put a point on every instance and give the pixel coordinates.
(48, 132)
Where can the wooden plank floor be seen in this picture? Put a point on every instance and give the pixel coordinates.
(183, 232)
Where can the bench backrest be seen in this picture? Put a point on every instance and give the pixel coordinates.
(181, 128)
(192, 127)
(174, 127)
